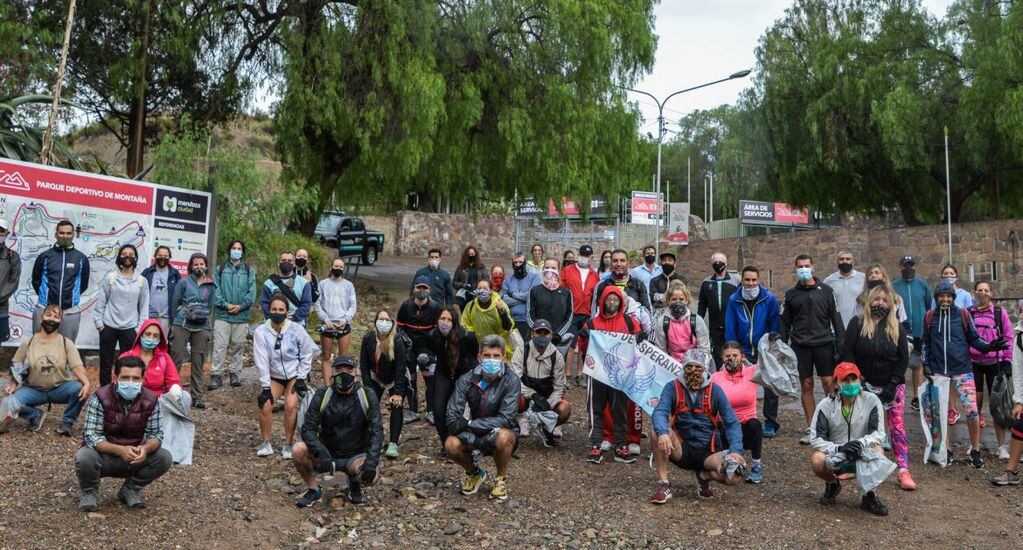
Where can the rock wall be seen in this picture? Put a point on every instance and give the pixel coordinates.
(385, 225)
(418, 232)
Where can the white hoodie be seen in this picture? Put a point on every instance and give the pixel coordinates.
(291, 359)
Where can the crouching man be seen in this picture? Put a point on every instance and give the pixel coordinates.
(491, 391)
(122, 438)
(342, 432)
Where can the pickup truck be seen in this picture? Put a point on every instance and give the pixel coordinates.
(349, 235)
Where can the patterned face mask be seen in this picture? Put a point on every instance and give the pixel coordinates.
(692, 375)
(551, 281)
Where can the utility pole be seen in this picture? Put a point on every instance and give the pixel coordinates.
(948, 198)
(48, 136)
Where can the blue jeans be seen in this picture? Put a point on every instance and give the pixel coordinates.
(64, 393)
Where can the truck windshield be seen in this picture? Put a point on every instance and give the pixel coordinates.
(328, 222)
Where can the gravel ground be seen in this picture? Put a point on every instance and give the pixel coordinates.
(231, 498)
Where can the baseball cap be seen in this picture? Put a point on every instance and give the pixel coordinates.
(343, 362)
(586, 250)
(667, 255)
(844, 369)
(421, 280)
(542, 324)
(907, 259)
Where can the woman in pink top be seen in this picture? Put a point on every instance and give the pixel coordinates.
(736, 379)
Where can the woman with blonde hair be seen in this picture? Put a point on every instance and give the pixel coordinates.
(876, 276)
(383, 364)
(878, 344)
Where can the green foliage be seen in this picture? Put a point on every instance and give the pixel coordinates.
(21, 140)
(24, 62)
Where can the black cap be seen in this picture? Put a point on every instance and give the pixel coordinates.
(586, 250)
(907, 260)
(542, 324)
(667, 254)
(343, 361)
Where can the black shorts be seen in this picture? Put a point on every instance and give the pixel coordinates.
(486, 445)
(282, 381)
(819, 358)
(578, 320)
(986, 373)
(692, 458)
(341, 464)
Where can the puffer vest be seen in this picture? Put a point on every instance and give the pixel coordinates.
(125, 428)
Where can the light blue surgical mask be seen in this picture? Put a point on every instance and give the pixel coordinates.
(491, 367)
(236, 254)
(129, 390)
(804, 274)
(149, 343)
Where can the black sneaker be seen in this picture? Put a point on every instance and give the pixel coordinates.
(235, 381)
(36, 424)
(871, 504)
(975, 460)
(623, 455)
(216, 381)
(355, 494)
(915, 404)
(198, 404)
(311, 496)
(595, 456)
(548, 438)
(831, 490)
(130, 497)
(429, 418)
(949, 460)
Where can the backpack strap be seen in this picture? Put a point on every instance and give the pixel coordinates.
(360, 393)
(363, 401)
(665, 325)
(628, 324)
(998, 321)
(525, 359)
(692, 329)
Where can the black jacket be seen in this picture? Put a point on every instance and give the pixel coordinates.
(387, 370)
(417, 322)
(659, 285)
(467, 353)
(494, 407)
(60, 276)
(882, 363)
(467, 277)
(347, 430)
(714, 301)
(633, 289)
(555, 307)
(810, 314)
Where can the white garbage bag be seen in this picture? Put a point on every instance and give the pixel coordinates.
(933, 395)
(776, 367)
(303, 406)
(872, 469)
(178, 427)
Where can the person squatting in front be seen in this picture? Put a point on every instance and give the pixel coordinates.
(342, 432)
(491, 392)
(382, 362)
(687, 424)
(845, 424)
(283, 353)
(123, 436)
(541, 369)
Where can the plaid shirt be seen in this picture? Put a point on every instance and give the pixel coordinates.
(93, 434)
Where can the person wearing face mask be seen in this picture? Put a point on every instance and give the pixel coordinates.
(295, 288)
(453, 351)
(916, 296)
(122, 303)
(553, 302)
(536, 259)
(808, 320)
(621, 278)
(581, 280)
(382, 361)
(487, 314)
(567, 258)
(491, 394)
(341, 434)
(879, 344)
(845, 425)
(515, 293)
(162, 279)
(715, 291)
(469, 273)
(303, 270)
(497, 277)
(191, 327)
(441, 288)
(336, 309)
(846, 284)
(687, 423)
(964, 300)
(876, 276)
(47, 368)
(417, 320)
(283, 354)
(736, 379)
(541, 369)
(949, 333)
(604, 266)
(10, 278)
(123, 438)
(235, 283)
(60, 276)
(647, 270)
(993, 323)
(659, 284)
(678, 329)
(751, 313)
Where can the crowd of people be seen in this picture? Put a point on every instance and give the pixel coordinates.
(497, 355)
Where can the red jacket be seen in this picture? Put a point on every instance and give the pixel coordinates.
(161, 373)
(610, 323)
(582, 291)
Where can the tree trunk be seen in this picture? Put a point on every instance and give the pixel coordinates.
(136, 134)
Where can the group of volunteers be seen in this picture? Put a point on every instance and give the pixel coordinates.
(497, 353)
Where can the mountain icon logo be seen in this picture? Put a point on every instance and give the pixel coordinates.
(13, 180)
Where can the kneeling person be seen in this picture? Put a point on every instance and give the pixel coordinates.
(123, 434)
(686, 423)
(492, 393)
(342, 432)
(541, 370)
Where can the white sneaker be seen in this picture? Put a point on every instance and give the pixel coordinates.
(634, 449)
(556, 432)
(266, 449)
(605, 446)
(523, 427)
(805, 440)
(286, 452)
(1003, 452)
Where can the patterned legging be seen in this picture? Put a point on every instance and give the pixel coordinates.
(967, 388)
(896, 426)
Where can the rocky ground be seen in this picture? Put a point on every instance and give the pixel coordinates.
(231, 498)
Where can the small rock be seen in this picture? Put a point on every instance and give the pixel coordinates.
(715, 533)
(60, 494)
(337, 502)
(95, 515)
(424, 486)
(511, 504)
(590, 533)
(320, 531)
(408, 491)
(216, 491)
(452, 528)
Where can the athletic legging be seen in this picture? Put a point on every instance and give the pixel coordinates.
(443, 389)
(397, 416)
(752, 437)
(894, 421)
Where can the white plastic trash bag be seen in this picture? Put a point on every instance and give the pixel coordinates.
(545, 419)
(178, 427)
(872, 469)
(303, 406)
(10, 406)
(776, 367)
(933, 396)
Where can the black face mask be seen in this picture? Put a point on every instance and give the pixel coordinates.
(650, 258)
(126, 261)
(301, 262)
(519, 271)
(278, 318)
(49, 326)
(286, 267)
(872, 284)
(344, 382)
(421, 294)
(336, 272)
(908, 273)
(566, 263)
(844, 267)
(678, 309)
(162, 262)
(719, 267)
(668, 269)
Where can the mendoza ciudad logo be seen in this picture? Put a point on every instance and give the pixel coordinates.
(173, 204)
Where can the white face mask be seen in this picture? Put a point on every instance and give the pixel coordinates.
(582, 261)
(750, 293)
(434, 264)
(384, 326)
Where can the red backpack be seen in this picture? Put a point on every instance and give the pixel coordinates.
(705, 408)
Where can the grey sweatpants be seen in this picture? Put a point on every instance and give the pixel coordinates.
(91, 466)
(229, 338)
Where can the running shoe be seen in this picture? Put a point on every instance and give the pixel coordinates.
(286, 452)
(953, 416)
(756, 474)
(429, 417)
(1003, 452)
(705, 491)
(623, 455)
(392, 451)
(975, 460)
(595, 456)
(915, 404)
(548, 438)
(605, 446)
(36, 423)
(634, 449)
(831, 491)
(557, 432)
(662, 494)
(770, 431)
(266, 449)
(949, 459)
(805, 440)
(410, 416)
(355, 494)
(310, 497)
(473, 481)
(906, 481)
(1007, 478)
(500, 490)
(64, 429)
(873, 505)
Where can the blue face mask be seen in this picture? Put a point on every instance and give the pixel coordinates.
(804, 273)
(236, 254)
(129, 390)
(541, 342)
(149, 343)
(851, 390)
(491, 367)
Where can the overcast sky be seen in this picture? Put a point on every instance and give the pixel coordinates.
(701, 41)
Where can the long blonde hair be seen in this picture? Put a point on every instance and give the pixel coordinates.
(886, 282)
(386, 346)
(891, 322)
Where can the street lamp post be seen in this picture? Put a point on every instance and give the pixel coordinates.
(660, 137)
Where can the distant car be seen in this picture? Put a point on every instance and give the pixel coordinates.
(349, 235)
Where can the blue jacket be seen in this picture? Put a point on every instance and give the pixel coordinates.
(441, 289)
(916, 296)
(948, 337)
(303, 291)
(746, 325)
(60, 276)
(696, 429)
(515, 293)
(189, 291)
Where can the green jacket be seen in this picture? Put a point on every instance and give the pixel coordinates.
(235, 285)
